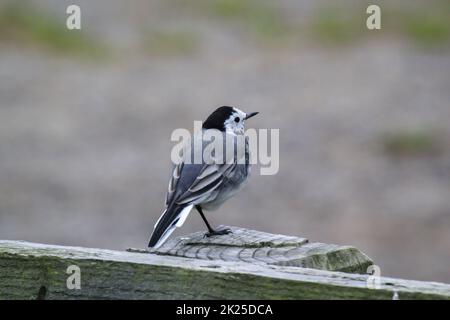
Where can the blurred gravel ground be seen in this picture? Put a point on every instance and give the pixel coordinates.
(364, 128)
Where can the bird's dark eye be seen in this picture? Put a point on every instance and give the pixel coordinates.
(237, 119)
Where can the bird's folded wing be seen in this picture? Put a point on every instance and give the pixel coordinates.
(209, 179)
(176, 174)
(192, 183)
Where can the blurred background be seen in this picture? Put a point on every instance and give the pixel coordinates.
(86, 118)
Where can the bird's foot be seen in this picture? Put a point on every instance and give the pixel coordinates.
(217, 232)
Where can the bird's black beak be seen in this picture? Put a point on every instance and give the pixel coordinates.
(251, 114)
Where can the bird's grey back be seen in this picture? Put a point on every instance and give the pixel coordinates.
(235, 170)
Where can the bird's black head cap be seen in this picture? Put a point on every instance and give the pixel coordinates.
(217, 118)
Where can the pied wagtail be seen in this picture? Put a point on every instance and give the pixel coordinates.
(205, 185)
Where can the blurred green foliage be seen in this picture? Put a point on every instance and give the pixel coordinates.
(429, 29)
(21, 22)
(170, 43)
(410, 143)
(428, 26)
(337, 25)
(263, 19)
(258, 16)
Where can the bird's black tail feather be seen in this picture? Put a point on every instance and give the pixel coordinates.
(171, 218)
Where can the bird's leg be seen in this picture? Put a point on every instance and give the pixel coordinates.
(211, 231)
(199, 209)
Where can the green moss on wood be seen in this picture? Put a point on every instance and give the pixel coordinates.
(27, 268)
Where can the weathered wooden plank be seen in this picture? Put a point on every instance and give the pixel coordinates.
(27, 269)
(258, 247)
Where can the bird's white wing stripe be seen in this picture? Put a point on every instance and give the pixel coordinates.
(183, 215)
(209, 180)
(208, 170)
(181, 219)
(196, 197)
(173, 181)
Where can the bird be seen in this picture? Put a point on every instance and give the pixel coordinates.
(208, 184)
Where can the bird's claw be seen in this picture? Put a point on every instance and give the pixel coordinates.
(217, 233)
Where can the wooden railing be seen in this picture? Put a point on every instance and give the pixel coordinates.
(246, 264)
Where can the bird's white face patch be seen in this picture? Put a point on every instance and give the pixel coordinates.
(236, 122)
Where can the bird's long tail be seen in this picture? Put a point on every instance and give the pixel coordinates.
(174, 216)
